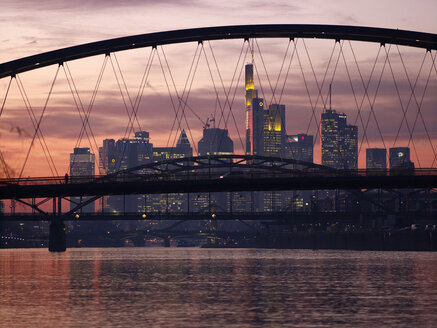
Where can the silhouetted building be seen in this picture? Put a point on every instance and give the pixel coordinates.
(339, 141)
(399, 158)
(376, 158)
(300, 147)
(82, 165)
(215, 141)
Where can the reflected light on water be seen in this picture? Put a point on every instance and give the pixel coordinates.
(192, 287)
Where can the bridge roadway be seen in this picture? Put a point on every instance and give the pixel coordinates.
(191, 182)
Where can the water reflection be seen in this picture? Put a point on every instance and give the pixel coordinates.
(181, 287)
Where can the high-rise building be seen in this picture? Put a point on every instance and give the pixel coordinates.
(376, 158)
(300, 147)
(215, 141)
(107, 155)
(399, 158)
(339, 141)
(170, 202)
(254, 116)
(127, 153)
(274, 131)
(82, 165)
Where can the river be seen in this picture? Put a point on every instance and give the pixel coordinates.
(194, 287)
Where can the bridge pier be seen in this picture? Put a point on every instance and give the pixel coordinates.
(57, 235)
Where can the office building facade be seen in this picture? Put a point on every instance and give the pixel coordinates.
(339, 141)
(376, 158)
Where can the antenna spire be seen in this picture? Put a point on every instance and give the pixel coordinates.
(330, 96)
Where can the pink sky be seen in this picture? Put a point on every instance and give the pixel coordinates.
(30, 27)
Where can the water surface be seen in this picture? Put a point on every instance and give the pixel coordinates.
(192, 287)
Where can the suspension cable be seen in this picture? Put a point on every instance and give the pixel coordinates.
(402, 107)
(413, 94)
(6, 96)
(80, 108)
(355, 96)
(227, 93)
(181, 99)
(38, 130)
(33, 119)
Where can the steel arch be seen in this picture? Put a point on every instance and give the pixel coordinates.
(415, 39)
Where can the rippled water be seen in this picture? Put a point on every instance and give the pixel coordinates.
(192, 287)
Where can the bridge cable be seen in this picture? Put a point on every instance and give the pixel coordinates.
(135, 107)
(419, 105)
(366, 94)
(183, 103)
(79, 105)
(227, 93)
(134, 112)
(86, 113)
(176, 119)
(2, 160)
(320, 88)
(402, 107)
(81, 110)
(235, 90)
(6, 96)
(132, 115)
(143, 83)
(180, 99)
(33, 120)
(273, 90)
(216, 94)
(38, 130)
(359, 116)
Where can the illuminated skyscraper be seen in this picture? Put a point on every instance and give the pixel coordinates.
(376, 158)
(274, 131)
(254, 116)
(339, 141)
(82, 165)
(399, 158)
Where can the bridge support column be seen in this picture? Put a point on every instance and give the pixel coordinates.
(167, 241)
(57, 236)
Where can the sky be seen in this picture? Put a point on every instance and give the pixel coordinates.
(30, 27)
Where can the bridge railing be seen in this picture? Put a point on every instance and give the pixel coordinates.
(193, 175)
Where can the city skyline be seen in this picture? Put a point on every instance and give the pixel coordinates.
(154, 113)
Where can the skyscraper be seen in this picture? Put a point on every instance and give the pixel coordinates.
(399, 158)
(376, 158)
(339, 141)
(300, 147)
(274, 130)
(127, 153)
(215, 141)
(254, 116)
(82, 165)
(170, 202)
